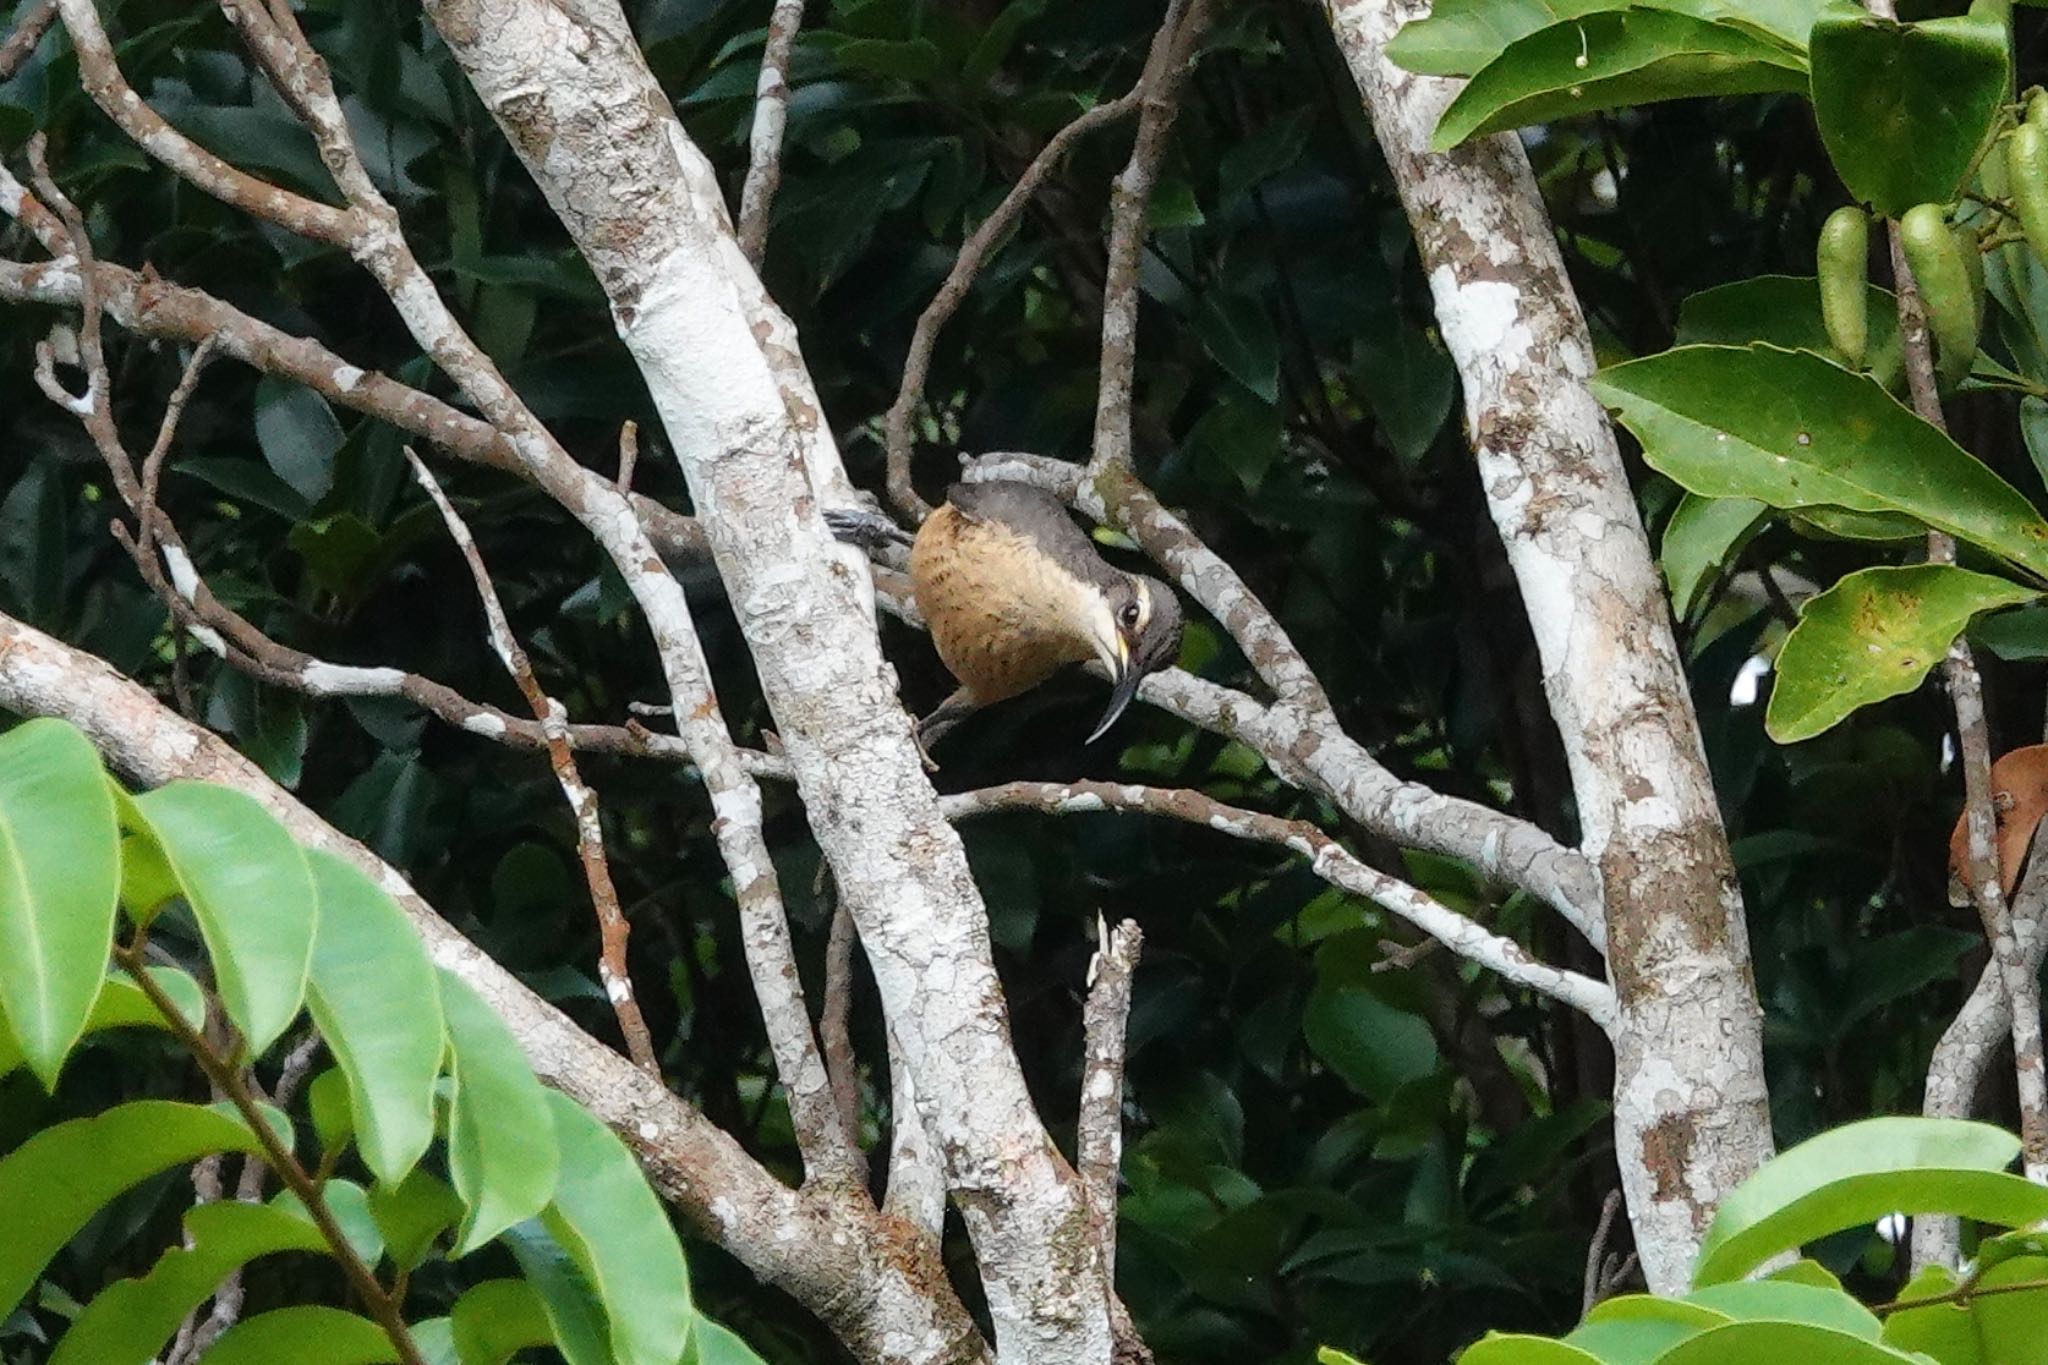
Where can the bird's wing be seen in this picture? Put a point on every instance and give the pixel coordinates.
(1031, 512)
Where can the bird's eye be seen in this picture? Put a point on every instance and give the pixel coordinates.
(1129, 614)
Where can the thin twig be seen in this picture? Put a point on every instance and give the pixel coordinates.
(167, 431)
(1973, 743)
(974, 253)
(28, 31)
(1329, 859)
(629, 454)
(1130, 195)
(835, 1017)
(375, 1301)
(764, 141)
(1596, 1284)
(611, 923)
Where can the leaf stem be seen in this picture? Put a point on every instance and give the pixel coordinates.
(228, 1079)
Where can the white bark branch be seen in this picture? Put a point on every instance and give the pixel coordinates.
(1691, 1113)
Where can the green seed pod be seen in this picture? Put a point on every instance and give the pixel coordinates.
(1843, 256)
(1972, 250)
(2037, 109)
(2026, 173)
(1937, 262)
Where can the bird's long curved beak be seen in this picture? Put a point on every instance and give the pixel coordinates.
(1125, 680)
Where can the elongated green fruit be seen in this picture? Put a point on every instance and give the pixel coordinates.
(2037, 109)
(1973, 266)
(2026, 168)
(1843, 257)
(1944, 281)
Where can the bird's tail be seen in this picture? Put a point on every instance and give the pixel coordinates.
(865, 527)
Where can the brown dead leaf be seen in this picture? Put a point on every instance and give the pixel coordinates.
(2019, 798)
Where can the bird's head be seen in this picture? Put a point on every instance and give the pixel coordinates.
(1144, 637)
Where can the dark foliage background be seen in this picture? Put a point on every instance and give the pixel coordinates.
(1321, 1151)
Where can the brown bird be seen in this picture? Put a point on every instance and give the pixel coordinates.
(1013, 591)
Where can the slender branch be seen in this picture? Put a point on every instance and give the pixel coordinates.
(1130, 194)
(1099, 1129)
(28, 31)
(228, 1080)
(1329, 859)
(834, 1019)
(1966, 693)
(974, 254)
(764, 141)
(612, 928)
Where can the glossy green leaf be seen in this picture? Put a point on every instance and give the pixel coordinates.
(1789, 1301)
(349, 1204)
(303, 1336)
(1858, 1173)
(131, 1321)
(1741, 1342)
(1630, 1341)
(1701, 542)
(1874, 635)
(712, 1343)
(575, 1318)
(435, 1338)
(617, 1233)
(1784, 310)
(1513, 1348)
(497, 1319)
(122, 1004)
(298, 435)
(2015, 1320)
(60, 879)
(502, 1154)
(1372, 1045)
(250, 888)
(1945, 1331)
(1239, 336)
(1610, 60)
(374, 996)
(1807, 433)
(1458, 37)
(1903, 107)
(334, 1124)
(2014, 635)
(55, 1181)
(413, 1213)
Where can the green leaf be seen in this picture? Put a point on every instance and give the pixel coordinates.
(1630, 1342)
(497, 1319)
(575, 1319)
(617, 1233)
(1780, 1341)
(995, 44)
(1611, 60)
(712, 1343)
(1874, 635)
(502, 1153)
(1946, 1331)
(1372, 1045)
(1858, 1173)
(60, 882)
(55, 1181)
(1788, 1301)
(1240, 433)
(1903, 108)
(250, 482)
(1806, 433)
(1239, 336)
(349, 1203)
(412, 1214)
(2014, 635)
(333, 1122)
(250, 889)
(1267, 153)
(374, 997)
(1511, 1348)
(1784, 310)
(131, 1321)
(122, 1004)
(298, 435)
(1702, 539)
(303, 1336)
(1460, 36)
(910, 59)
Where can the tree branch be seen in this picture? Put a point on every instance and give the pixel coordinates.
(613, 930)
(764, 141)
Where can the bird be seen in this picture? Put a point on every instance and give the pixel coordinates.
(1013, 591)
